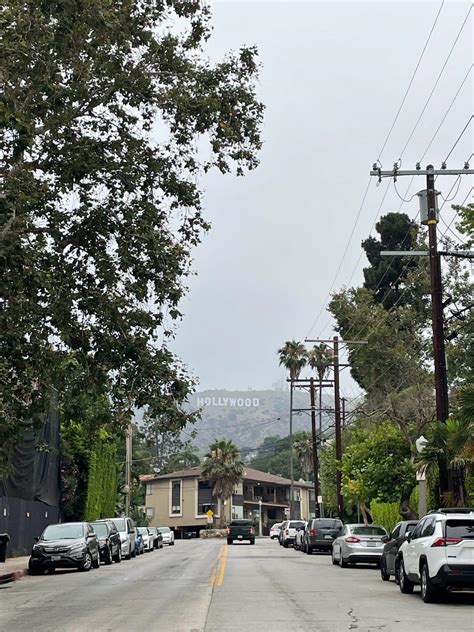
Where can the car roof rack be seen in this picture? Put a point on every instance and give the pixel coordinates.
(452, 510)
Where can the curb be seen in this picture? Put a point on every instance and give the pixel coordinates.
(13, 576)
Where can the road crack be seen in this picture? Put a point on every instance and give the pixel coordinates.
(354, 620)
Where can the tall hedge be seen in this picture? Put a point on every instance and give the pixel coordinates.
(102, 481)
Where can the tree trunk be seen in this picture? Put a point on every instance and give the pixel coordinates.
(405, 510)
(364, 510)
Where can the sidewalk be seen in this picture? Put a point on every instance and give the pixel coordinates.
(14, 568)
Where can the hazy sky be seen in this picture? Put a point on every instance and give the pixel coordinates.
(333, 75)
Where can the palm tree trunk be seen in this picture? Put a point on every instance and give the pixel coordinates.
(320, 410)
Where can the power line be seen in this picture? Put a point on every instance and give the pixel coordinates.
(436, 82)
(460, 136)
(411, 81)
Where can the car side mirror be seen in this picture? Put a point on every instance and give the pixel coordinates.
(90, 535)
(384, 538)
(408, 537)
(36, 538)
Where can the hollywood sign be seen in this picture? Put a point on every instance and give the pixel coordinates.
(240, 402)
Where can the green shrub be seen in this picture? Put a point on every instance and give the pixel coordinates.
(385, 514)
(102, 481)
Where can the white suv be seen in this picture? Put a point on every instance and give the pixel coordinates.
(288, 531)
(438, 554)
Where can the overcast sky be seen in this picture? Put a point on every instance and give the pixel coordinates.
(333, 75)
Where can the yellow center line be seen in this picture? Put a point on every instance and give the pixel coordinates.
(217, 576)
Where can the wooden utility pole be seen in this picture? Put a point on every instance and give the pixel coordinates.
(317, 512)
(128, 467)
(343, 401)
(337, 409)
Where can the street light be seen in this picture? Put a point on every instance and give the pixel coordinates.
(421, 444)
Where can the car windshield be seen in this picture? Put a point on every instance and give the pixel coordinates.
(277, 525)
(294, 524)
(368, 530)
(241, 523)
(63, 532)
(463, 529)
(328, 524)
(164, 529)
(120, 524)
(143, 530)
(100, 528)
(411, 527)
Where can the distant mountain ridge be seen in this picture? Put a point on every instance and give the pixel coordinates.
(247, 417)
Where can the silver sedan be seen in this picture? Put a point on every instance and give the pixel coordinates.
(359, 544)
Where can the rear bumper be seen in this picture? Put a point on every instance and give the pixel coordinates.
(364, 558)
(459, 576)
(316, 543)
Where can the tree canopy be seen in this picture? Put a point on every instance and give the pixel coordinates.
(106, 110)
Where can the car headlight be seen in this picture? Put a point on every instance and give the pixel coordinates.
(37, 548)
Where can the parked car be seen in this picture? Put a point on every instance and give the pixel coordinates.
(275, 530)
(139, 545)
(288, 531)
(157, 537)
(125, 527)
(359, 544)
(300, 531)
(241, 530)
(320, 534)
(167, 535)
(390, 550)
(147, 539)
(110, 546)
(67, 545)
(438, 554)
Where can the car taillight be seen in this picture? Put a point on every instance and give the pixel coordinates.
(313, 531)
(252, 530)
(228, 531)
(287, 532)
(352, 539)
(446, 541)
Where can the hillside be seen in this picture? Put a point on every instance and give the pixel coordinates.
(247, 417)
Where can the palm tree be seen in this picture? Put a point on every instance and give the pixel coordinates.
(224, 469)
(304, 451)
(320, 358)
(451, 443)
(294, 358)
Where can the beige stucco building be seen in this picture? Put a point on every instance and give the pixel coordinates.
(181, 500)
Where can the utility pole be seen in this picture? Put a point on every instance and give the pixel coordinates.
(128, 467)
(292, 482)
(343, 401)
(337, 409)
(441, 380)
(317, 512)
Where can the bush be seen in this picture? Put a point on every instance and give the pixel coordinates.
(102, 481)
(385, 514)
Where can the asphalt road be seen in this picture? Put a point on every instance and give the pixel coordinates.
(206, 586)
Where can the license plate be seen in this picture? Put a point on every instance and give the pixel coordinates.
(371, 543)
(328, 537)
(239, 537)
(55, 558)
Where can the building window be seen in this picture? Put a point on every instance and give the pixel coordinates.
(148, 489)
(205, 498)
(175, 497)
(150, 512)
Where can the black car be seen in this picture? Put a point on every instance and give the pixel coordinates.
(110, 546)
(320, 533)
(394, 542)
(67, 545)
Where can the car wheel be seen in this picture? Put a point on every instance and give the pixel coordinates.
(383, 571)
(252, 541)
(285, 544)
(429, 592)
(230, 541)
(172, 543)
(406, 586)
(96, 561)
(309, 549)
(35, 570)
(334, 561)
(342, 562)
(118, 555)
(87, 563)
(108, 558)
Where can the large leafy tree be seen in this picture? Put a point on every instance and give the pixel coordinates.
(106, 111)
(224, 469)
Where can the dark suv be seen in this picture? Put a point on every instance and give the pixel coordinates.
(110, 546)
(67, 545)
(320, 533)
(390, 551)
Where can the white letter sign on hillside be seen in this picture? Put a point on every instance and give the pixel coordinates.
(238, 402)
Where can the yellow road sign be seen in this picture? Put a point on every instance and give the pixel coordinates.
(210, 513)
